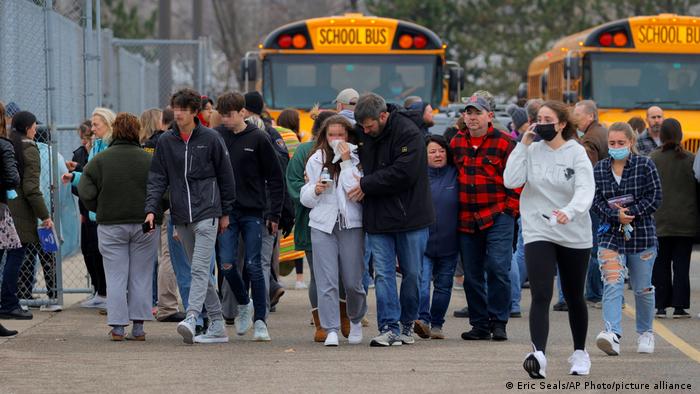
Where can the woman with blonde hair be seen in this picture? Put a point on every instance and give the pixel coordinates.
(628, 193)
(102, 120)
(151, 124)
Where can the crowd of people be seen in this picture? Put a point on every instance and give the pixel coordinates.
(191, 201)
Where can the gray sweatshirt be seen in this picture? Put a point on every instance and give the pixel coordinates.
(559, 179)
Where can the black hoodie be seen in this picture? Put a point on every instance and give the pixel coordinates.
(254, 162)
(395, 182)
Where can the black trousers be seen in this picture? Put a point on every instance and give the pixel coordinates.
(92, 256)
(542, 260)
(671, 275)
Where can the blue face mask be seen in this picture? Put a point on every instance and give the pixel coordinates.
(619, 153)
(396, 90)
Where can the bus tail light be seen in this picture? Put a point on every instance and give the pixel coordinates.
(299, 41)
(405, 41)
(620, 39)
(284, 41)
(605, 39)
(420, 42)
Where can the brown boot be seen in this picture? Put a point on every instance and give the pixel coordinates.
(344, 320)
(320, 334)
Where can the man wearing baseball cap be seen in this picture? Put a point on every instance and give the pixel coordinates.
(345, 103)
(486, 218)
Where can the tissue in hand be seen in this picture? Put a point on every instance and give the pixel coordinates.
(336, 152)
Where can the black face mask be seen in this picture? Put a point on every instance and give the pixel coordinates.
(546, 131)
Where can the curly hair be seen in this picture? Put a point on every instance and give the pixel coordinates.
(126, 127)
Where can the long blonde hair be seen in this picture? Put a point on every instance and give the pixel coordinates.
(151, 120)
(109, 117)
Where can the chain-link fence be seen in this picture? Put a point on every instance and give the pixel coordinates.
(59, 64)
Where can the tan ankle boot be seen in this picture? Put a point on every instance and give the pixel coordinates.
(320, 334)
(344, 320)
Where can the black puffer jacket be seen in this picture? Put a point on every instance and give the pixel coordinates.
(395, 181)
(10, 176)
(198, 175)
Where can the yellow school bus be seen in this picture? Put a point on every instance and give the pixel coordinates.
(310, 61)
(627, 66)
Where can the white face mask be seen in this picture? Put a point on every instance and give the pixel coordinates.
(580, 133)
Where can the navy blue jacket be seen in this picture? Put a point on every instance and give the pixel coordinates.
(443, 232)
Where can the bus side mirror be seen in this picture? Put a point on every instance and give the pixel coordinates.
(522, 90)
(249, 69)
(572, 67)
(570, 97)
(455, 84)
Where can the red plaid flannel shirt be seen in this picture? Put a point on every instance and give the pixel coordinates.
(482, 195)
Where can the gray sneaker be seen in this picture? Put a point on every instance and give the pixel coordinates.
(387, 338)
(187, 328)
(406, 336)
(260, 334)
(216, 333)
(244, 319)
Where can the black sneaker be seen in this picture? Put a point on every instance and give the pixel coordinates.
(174, 318)
(661, 313)
(680, 314)
(17, 314)
(476, 334)
(463, 313)
(5, 333)
(560, 307)
(516, 314)
(498, 332)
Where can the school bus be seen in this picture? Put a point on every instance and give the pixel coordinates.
(308, 62)
(626, 66)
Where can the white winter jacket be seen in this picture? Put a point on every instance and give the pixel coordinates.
(326, 207)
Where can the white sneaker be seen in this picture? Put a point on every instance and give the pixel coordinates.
(216, 333)
(260, 333)
(331, 339)
(355, 336)
(580, 363)
(51, 308)
(535, 364)
(608, 342)
(95, 302)
(300, 285)
(187, 328)
(645, 343)
(244, 319)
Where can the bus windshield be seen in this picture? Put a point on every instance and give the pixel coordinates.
(300, 81)
(627, 80)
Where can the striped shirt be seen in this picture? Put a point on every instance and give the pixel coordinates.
(640, 179)
(290, 139)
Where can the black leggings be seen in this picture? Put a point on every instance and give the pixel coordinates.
(542, 259)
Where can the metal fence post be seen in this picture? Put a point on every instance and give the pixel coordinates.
(98, 50)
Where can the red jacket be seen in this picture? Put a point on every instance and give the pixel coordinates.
(482, 195)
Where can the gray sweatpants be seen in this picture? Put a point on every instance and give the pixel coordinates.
(199, 240)
(342, 250)
(128, 256)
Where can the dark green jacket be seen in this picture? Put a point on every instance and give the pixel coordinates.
(678, 214)
(295, 181)
(29, 204)
(114, 184)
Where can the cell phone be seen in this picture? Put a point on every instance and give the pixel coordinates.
(146, 227)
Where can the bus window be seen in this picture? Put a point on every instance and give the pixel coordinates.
(638, 81)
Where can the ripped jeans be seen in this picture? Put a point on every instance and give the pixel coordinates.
(614, 267)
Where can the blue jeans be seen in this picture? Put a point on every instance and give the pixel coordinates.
(440, 271)
(639, 267)
(10, 278)
(594, 283)
(518, 272)
(488, 252)
(250, 228)
(409, 247)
